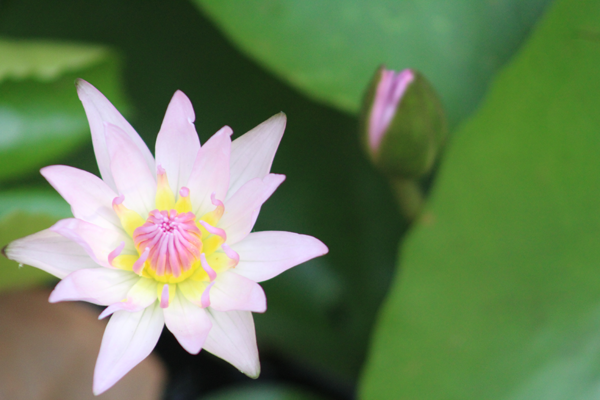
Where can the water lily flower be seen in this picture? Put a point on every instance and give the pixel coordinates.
(167, 241)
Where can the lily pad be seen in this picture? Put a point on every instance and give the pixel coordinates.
(330, 49)
(499, 291)
(40, 114)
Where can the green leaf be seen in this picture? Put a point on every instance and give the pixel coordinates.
(499, 291)
(41, 117)
(22, 213)
(34, 201)
(330, 49)
(263, 392)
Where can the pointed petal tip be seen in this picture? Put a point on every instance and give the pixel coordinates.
(321, 248)
(100, 387)
(84, 88)
(254, 374)
(226, 130)
(182, 101)
(80, 82)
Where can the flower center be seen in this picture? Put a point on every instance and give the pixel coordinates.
(172, 244)
(169, 243)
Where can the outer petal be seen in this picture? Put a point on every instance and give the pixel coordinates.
(129, 338)
(141, 295)
(89, 196)
(264, 255)
(100, 286)
(133, 177)
(210, 173)
(51, 252)
(242, 209)
(234, 292)
(177, 144)
(233, 339)
(96, 241)
(99, 110)
(189, 323)
(252, 153)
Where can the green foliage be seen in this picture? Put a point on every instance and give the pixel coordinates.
(41, 117)
(499, 288)
(330, 49)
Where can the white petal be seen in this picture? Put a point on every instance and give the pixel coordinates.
(234, 292)
(264, 255)
(140, 295)
(99, 110)
(252, 153)
(210, 173)
(242, 209)
(177, 144)
(189, 323)
(51, 252)
(100, 286)
(128, 339)
(89, 196)
(133, 177)
(96, 241)
(233, 339)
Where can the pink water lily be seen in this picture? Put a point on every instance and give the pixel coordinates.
(167, 241)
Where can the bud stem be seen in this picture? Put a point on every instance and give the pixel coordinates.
(409, 196)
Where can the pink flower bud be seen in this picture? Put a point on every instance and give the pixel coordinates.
(403, 123)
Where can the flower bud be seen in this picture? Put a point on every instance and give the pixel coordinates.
(403, 123)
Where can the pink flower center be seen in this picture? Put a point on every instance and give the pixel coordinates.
(169, 243)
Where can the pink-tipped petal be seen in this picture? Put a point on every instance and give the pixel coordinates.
(89, 196)
(205, 298)
(264, 255)
(213, 230)
(252, 153)
(164, 297)
(235, 292)
(233, 339)
(128, 339)
(138, 265)
(116, 252)
(96, 241)
(133, 178)
(177, 144)
(207, 268)
(100, 286)
(210, 172)
(99, 110)
(231, 254)
(242, 208)
(51, 252)
(189, 323)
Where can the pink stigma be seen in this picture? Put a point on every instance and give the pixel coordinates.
(172, 241)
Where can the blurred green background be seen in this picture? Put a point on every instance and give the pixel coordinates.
(492, 294)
